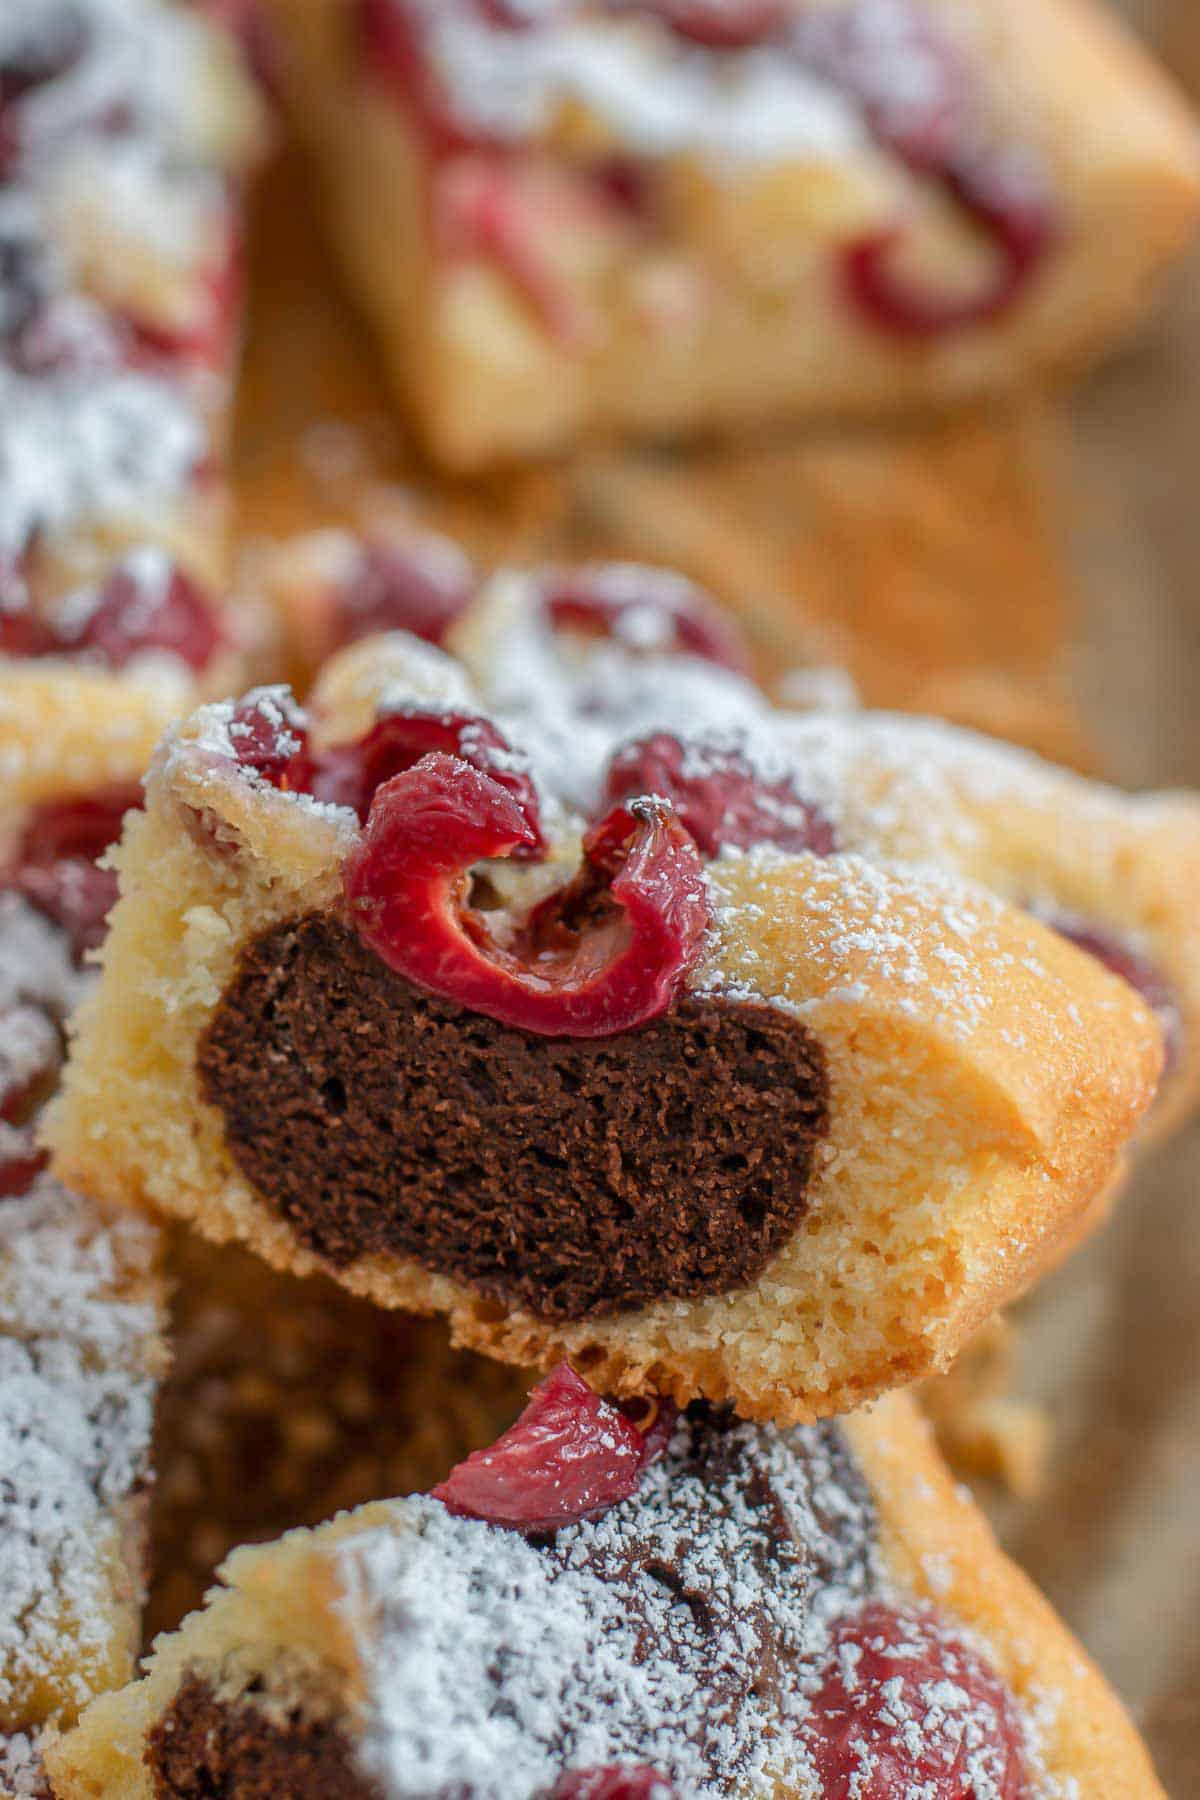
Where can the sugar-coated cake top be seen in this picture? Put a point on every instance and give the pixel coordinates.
(653, 1635)
(610, 687)
(77, 1373)
(116, 237)
(704, 1608)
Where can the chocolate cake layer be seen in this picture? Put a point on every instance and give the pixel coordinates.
(204, 1748)
(571, 1177)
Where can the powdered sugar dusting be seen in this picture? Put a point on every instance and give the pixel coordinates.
(81, 447)
(662, 1633)
(659, 95)
(77, 1368)
(107, 174)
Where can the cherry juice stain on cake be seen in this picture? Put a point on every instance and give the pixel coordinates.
(571, 1177)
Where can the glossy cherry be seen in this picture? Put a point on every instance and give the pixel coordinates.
(612, 1784)
(643, 610)
(607, 953)
(569, 1457)
(422, 586)
(351, 774)
(718, 797)
(269, 734)
(55, 864)
(142, 607)
(905, 1705)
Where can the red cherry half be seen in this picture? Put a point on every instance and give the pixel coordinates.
(930, 121)
(1003, 195)
(668, 616)
(164, 611)
(569, 1457)
(351, 774)
(142, 606)
(718, 797)
(607, 953)
(55, 865)
(269, 734)
(421, 586)
(904, 1705)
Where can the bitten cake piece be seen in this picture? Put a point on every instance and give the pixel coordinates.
(628, 1605)
(677, 216)
(126, 127)
(635, 1023)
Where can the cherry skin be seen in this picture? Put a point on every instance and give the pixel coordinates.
(607, 953)
(906, 1705)
(569, 1457)
(666, 616)
(138, 610)
(167, 614)
(23, 635)
(718, 797)
(269, 734)
(55, 864)
(351, 774)
(422, 587)
(1022, 229)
